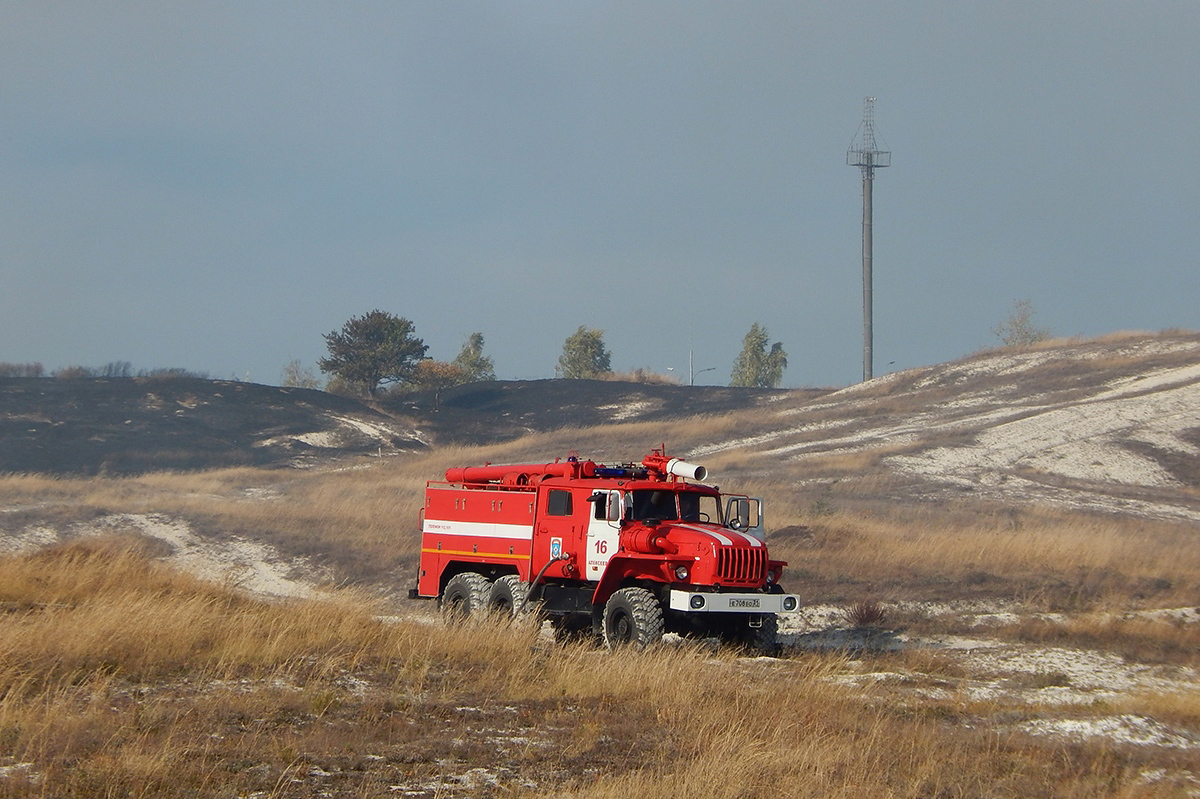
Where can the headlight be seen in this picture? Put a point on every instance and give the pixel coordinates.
(770, 578)
(697, 601)
(681, 572)
(789, 603)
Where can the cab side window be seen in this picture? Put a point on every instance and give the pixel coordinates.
(558, 503)
(689, 507)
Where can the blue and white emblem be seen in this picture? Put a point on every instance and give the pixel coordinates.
(555, 548)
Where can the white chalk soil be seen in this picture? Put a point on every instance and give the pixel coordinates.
(250, 566)
(1062, 693)
(1093, 427)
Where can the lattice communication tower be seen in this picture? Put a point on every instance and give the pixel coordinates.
(866, 154)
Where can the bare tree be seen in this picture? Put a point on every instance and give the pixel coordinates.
(116, 369)
(297, 375)
(21, 370)
(1019, 330)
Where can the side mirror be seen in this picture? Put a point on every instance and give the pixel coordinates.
(745, 514)
(613, 510)
(740, 518)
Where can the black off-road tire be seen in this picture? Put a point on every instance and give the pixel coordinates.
(506, 595)
(465, 597)
(633, 617)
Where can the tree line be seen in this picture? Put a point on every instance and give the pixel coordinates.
(380, 349)
(112, 369)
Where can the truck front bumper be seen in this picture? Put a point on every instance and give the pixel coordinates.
(701, 602)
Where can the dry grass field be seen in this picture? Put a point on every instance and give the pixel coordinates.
(122, 677)
(988, 630)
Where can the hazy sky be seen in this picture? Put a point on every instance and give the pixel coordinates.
(215, 185)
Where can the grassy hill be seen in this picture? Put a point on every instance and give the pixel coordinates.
(999, 560)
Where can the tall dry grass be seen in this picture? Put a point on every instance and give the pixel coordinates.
(1062, 561)
(121, 678)
(101, 607)
(363, 522)
(1137, 638)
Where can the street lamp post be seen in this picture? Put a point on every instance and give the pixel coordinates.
(692, 372)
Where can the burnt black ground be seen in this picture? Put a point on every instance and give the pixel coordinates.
(135, 425)
(122, 426)
(483, 413)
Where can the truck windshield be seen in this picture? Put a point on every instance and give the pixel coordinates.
(671, 506)
(654, 504)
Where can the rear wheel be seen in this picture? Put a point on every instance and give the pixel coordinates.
(466, 596)
(633, 617)
(506, 595)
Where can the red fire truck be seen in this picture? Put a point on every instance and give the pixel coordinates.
(624, 553)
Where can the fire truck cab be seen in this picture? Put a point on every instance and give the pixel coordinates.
(624, 553)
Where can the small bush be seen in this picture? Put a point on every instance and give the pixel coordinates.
(74, 373)
(116, 369)
(640, 375)
(21, 370)
(866, 613)
(171, 373)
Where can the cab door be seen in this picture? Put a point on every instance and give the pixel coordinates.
(603, 533)
(559, 529)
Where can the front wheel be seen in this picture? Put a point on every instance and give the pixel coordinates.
(632, 617)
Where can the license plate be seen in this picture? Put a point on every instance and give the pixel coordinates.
(743, 603)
